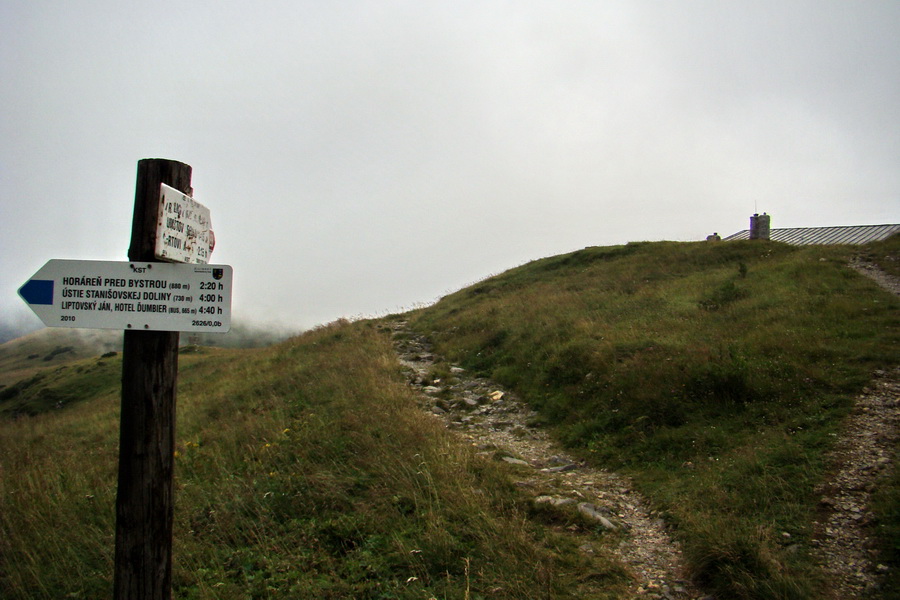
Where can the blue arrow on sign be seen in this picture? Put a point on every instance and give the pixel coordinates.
(37, 291)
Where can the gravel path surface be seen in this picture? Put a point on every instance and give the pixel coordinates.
(870, 270)
(864, 455)
(496, 422)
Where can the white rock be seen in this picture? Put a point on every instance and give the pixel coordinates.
(590, 511)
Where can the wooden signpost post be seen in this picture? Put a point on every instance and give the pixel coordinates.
(151, 305)
(145, 500)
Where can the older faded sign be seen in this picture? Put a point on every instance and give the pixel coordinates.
(184, 231)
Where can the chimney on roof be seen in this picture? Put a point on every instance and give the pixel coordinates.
(759, 227)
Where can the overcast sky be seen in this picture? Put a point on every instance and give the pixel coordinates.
(361, 157)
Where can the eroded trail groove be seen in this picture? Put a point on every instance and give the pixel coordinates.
(496, 422)
(864, 455)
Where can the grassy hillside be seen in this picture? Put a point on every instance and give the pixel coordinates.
(31, 365)
(715, 374)
(51, 347)
(304, 470)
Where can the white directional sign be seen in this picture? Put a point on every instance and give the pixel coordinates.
(183, 232)
(131, 295)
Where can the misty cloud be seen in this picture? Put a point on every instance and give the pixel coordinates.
(363, 157)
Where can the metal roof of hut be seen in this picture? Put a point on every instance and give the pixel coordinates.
(846, 234)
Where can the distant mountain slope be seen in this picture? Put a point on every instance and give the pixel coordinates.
(12, 330)
(52, 346)
(49, 347)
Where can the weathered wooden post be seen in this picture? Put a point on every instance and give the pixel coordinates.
(152, 301)
(145, 499)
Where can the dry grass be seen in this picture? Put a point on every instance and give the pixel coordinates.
(303, 470)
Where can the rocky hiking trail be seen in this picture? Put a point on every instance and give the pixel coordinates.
(496, 422)
(864, 454)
